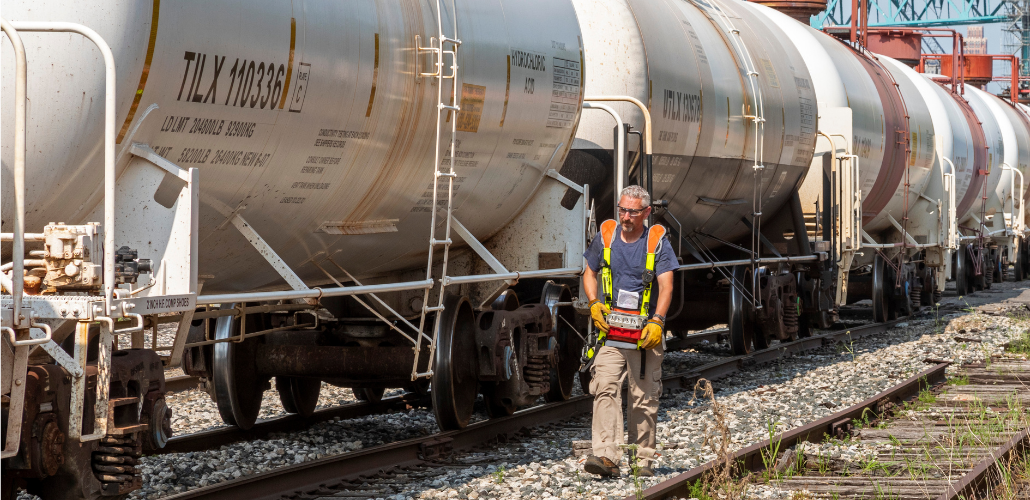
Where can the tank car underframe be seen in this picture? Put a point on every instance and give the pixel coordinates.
(512, 354)
(51, 461)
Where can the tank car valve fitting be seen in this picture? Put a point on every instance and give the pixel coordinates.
(128, 266)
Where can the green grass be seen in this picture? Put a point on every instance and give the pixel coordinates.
(959, 380)
(927, 397)
(699, 490)
(1020, 345)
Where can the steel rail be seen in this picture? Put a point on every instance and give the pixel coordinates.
(214, 438)
(723, 367)
(978, 479)
(751, 457)
(680, 343)
(323, 475)
(181, 383)
(226, 435)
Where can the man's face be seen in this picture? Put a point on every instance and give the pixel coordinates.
(632, 213)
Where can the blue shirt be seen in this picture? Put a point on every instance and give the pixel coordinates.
(629, 260)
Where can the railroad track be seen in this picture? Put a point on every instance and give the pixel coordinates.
(181, 383)
(291, 422)
(324, 477)
(951, 445)
(214, 438)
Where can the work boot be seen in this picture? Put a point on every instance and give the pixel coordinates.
(645, 472)
(602, 466)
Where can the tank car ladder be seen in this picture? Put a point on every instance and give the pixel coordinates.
(437, 48)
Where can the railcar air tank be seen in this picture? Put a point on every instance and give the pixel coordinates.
(307, 119)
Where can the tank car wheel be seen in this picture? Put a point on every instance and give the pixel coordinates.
(298, 394)
(1021, 260)
(928, 285)
(1000, 267)
(881, 302)
(961, 272)
(369, 394)
(900, 305)
(508, 300)
(455, 381)
(563, 375)
(979, 280)
(238, 389)
(741, 321)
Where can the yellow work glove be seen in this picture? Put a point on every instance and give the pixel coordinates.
(598, 311)
(651, 336)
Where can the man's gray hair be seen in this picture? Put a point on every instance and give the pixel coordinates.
(637, 192)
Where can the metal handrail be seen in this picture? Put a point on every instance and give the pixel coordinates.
(109, 153)
(631, 100)
(313, 293)
(1012, 193)
(620, 148)
(18, 277)
(747, 262)
(542, 273)
(949, 186)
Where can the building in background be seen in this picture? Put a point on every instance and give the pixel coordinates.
(975, 42)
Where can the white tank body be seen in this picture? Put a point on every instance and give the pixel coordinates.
(1021, 161)
(1008, 144)
(846, 79)
(927, 120)
(682, 60)
(1025, 110)
(995, 144)
(954, 136)
(840, 82)
(300, 117)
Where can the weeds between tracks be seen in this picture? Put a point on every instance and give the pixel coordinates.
(721, 481)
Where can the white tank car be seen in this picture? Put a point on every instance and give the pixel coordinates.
(1009, 149)
(258, 139)
(1025, 110)
(864, 90)
(927, 120)
(954, 137)
(307, 119)
(684, 61)
(841, 82)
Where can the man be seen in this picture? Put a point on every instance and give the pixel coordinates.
(631, 259)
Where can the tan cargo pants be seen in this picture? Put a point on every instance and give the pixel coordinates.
(611, 367)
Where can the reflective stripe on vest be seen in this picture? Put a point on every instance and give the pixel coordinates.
(654, 237)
